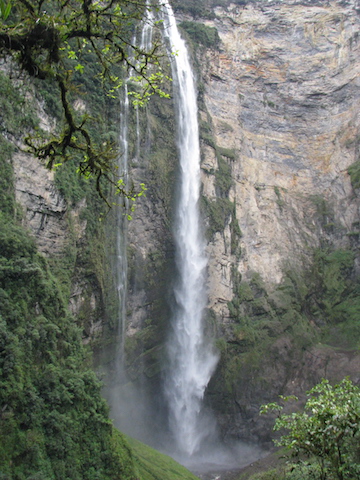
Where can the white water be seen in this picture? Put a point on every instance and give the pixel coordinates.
(147, 29)
(126, 402)
(191, 356)
(121, 236)
(191, 359)
(146, 40)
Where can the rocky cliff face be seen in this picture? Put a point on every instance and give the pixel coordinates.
(279, 121)
(44, 207)
(282, 93)
(281, 96)
(58, 225)
(60, 232)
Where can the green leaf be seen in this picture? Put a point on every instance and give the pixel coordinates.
(7, 11)
(79, 68)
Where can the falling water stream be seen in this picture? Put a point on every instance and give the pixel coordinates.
(191, 357)
(121, 237)
(144, 43)
(126, 401)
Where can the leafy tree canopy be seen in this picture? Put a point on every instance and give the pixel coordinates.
(49, 40)
(328, 430)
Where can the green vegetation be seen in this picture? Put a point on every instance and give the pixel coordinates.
(354, 172)
(332, 282)
(54, 423)
(5, 9)
(51, 42)
(201, 34)
(229, 153)
(327, 432)
(320, 304)
(236, 234)
(223, 178)
(206, 133)
(16, 112)
(151, 465)
(218, 212)
(199, 9)
(204, 8)
(16, 116)
(324, 211)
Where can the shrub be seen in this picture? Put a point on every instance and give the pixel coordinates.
(328, 429)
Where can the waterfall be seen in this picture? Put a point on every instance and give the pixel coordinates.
(191, 357)
(125, 401)
(121, 232)
(146, 38)
(144, 41)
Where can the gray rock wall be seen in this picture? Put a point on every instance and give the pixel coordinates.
(283, 93)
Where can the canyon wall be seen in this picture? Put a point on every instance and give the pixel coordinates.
(278, 86)
(279, 119)
(280, 98)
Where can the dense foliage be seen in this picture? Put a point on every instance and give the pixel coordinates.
(54, 422)
(201, 34)
(204, 8)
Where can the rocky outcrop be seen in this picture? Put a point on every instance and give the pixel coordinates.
(44, 207)
(59, 228)
(284, 373)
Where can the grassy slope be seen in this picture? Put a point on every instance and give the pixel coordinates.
(153, 465)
